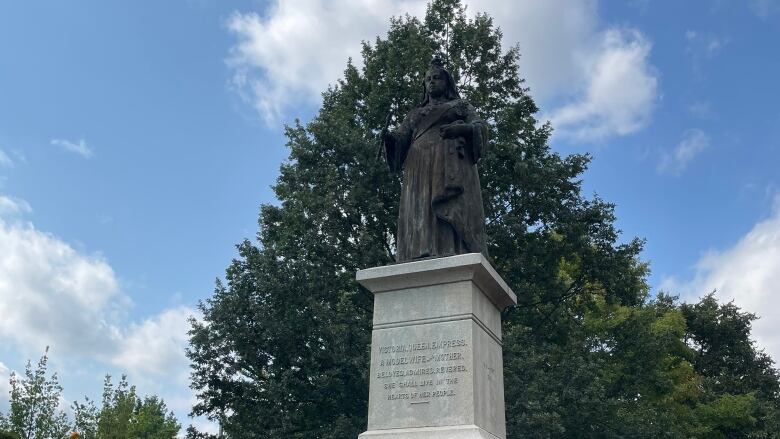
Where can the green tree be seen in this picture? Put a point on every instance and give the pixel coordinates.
(152, 420)
(85, 419)
(35, 399)
(123, 415)
(34, 412)
(193, 433)
(282, 350)
(117, 409)
(737, 378)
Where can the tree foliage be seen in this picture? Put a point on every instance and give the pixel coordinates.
(194, 433)
(283, 348)
(35, 399)
(124, 415)
(736, 377)
(34, 411)
(153, 420)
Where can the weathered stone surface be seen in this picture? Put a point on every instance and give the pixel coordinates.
(455, 432)
(436, 363)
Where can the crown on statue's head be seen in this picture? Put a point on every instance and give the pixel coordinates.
(437, 63)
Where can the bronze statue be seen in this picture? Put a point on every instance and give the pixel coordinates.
(438, 146)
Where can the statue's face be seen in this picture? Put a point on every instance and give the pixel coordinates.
(435, 83)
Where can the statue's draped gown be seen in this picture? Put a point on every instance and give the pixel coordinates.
(441, 211)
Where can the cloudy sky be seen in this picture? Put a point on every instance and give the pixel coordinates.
(138, 140)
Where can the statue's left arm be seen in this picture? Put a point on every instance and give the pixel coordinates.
(477, 141)
(470, 128)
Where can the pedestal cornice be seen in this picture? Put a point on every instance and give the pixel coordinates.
(469, 266)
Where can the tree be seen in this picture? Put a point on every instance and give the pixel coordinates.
(123, 415)
(86, 419)
(34, 412)
(35, 399)
(193, 433)
(736, 376)
(152, 420)
(117, 409)
(283, 347)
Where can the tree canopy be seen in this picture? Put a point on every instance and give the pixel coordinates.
(283, 347)
(35, 399)
(35, 411)
(124, 415)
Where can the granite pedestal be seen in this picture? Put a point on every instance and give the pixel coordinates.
(436, 363)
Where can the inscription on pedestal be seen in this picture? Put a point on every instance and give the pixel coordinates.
(422, 375)
(421, 371)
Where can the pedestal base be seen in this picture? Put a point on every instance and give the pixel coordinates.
(456, 432)
(436, 363)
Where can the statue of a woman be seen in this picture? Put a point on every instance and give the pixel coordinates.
(437, 146)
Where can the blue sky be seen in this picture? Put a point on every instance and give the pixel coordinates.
(138, 140)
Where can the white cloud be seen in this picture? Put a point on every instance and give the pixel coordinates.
(552, 61)
(53, 295)
(764, 8)
(700, 43)
(295, 48)
(152, 353)
(5, 161)
(5, 387)
(156, 346)
(700, 48)
(701, 110)
(79, 147)
(20, 158)
(747, 273)
(298, 47)
(620, 94)
(693, 143)
(10, 206)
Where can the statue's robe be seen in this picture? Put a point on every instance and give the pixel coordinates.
(441, 211)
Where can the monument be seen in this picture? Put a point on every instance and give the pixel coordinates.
(436, 363)
(438, 146)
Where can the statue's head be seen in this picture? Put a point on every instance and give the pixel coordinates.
(438, 83)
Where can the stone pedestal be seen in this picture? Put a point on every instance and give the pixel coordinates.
(436, 363)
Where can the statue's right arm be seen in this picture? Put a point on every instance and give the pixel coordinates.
(397, 144)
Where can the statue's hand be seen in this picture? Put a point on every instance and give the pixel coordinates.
(455, 129)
